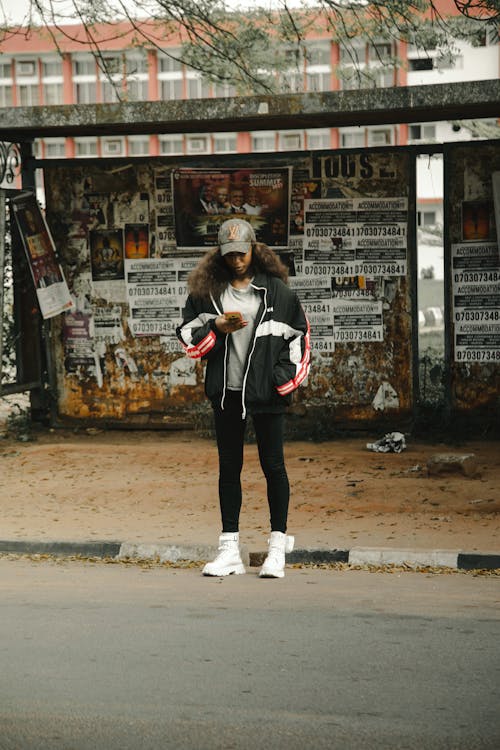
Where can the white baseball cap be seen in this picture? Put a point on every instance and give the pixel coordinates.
(236, 236)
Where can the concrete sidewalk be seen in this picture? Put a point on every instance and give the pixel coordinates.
(152, 496)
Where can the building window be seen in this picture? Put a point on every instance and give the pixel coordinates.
(197, 88)
(27, 96)
(84, 80)
(26, 69)
(171, 144)
(422, 132)
(5, 96)
(225, 143)
(52, 93)
(111, 65)
(136, 67)
(171, 89)
(112, 146)
(197, 144)
(353, 53)
(84, 66)
(137, 91)
(110, 91)
(52, 69)
(136, 64)
(292, 141)
(380, 51)
(319, 138)
(263, 141)
(318, 53)
(381, 77)
(54, 149)
(352, 78)
(352, 139)
(85, 147)
(138, 146)
(167, 64)
(318, 82)
(421, 63)
(111, 77)
(426, 218)
(6, 70)
(85, 93)
(380, 137)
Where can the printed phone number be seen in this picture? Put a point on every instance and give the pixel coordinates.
(310, 307)
(152, 328)
(465, 276)
(477, 315)
(346, 231)
(322, 345)
(478, 356)
(156, 291)
(357, 269)
(352, 335)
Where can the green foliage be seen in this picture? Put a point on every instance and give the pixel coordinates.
(19, 424)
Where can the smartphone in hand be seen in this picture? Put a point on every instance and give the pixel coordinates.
(233, 317)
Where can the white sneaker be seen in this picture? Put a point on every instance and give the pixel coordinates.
(274, 564)
(228, 560)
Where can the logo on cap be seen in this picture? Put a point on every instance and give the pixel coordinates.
(236, 235)
(233, 232)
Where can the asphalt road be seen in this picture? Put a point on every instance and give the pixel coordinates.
(108, 657)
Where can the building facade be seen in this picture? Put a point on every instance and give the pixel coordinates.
(33, 72)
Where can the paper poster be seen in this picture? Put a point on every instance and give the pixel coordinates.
(51, 288)
(156, 292)
(205, 198)
(356, 236)
(476, 301)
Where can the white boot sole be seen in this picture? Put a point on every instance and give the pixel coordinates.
(271, 574)
(237, 570)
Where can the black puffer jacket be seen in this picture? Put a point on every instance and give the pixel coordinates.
(278, 355)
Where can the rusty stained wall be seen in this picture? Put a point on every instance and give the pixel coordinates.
(134, 380)
(369, 382)
(474, 385)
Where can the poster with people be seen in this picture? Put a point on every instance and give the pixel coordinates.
(106, 254)
(50, 285)
(205, 198)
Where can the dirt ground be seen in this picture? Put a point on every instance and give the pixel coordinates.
(162, 487)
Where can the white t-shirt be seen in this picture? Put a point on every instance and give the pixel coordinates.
(247, 301)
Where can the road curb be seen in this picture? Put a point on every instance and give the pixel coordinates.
(376, 556)
(58, 548)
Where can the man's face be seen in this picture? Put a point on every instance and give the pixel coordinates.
(237, 197)
(221, 195)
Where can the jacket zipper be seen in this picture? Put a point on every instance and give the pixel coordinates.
(243, 407)
(226, 349)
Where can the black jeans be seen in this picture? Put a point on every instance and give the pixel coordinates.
(230, 432)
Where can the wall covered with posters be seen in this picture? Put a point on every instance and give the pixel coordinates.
(128, 234)
(472, 199)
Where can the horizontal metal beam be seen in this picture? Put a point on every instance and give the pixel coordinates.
(8, 389)
(401, 104)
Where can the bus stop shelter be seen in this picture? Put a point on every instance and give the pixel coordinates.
(361, 297)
